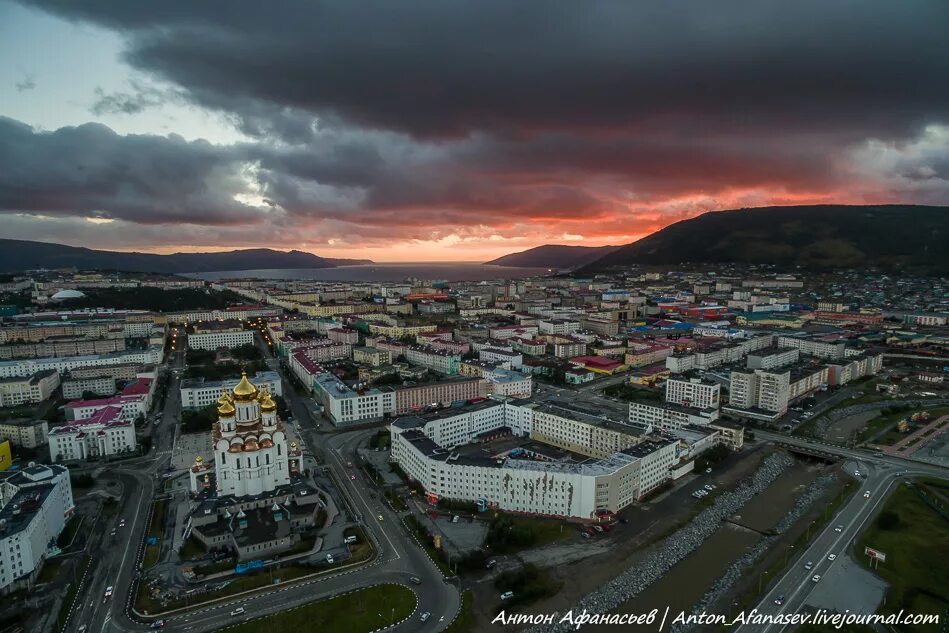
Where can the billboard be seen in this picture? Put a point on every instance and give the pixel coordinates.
(6, 457)
(872, 553)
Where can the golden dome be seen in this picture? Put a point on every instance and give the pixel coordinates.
(225, 397)
(198, 459)
(266, 443)
(245, 391)
(250, 444)
(268, 404)
(235, 448)
(226, 410)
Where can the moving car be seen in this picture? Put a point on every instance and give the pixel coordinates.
(779, 600)
(329, 559)
(415, 580)
(157, 624)
(832, 557)
(108, 591)
(808, 565)
(379, 517)
(237, 611)
(425, 616)
(866, 495)
(839, 528)
(507, 595)
(816, 578)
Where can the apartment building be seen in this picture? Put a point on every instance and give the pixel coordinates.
(26, 433)
(693, 391)
(773, 358)
(35, 505)
(766, 394)
(100, 386)
(345, 406)
(829, 349)
(16, 391)
(215, 339)
(669, 415)
(371, 356)
(558, 326)
(511, 358)
(441, 362)
(643, 354)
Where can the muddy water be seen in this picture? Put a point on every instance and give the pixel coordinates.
(685, 584)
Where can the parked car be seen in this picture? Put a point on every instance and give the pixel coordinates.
(490, 564)
(507, 595)
(709, 487)
(329, 559)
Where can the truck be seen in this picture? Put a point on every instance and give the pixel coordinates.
(349, 540)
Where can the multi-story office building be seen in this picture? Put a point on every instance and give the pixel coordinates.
(105, 433)
(669, 415)
(557, 326)
(345, 406)
(35, 504)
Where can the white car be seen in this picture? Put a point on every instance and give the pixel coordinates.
(816, 578)
(709, 487)
(866, 495)
(507, 595)
(808, 565)
(108, 591)
(839, 528)
(237, 611)
(425, 616)
(832, 557)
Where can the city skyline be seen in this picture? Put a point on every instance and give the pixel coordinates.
(462, 135)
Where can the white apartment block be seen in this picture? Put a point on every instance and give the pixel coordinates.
(435, 360)
(100, 385)
(27, 367)
(213, 340)
(766, 394)
(557, 326)
(515, 359)
(199, 393)
(16, 391)
(773, 359)
(693, 392)
(832, 350)
(35, 504)
(25, 433)
(347, 406)
(853, 367)
(669, 416)
(717, 356)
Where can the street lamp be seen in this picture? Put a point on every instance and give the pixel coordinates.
(787, 551)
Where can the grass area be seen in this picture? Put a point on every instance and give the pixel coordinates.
(395, 501)
(357, 612)
(529, 584)
(147, 604)
(192, 548)
(465, 620)
(912, 544)
(156, 528)
(151, 556)
(360, 550)
(512, 533)
(50, 570)
(893, 436)
(69, 532)
(71, 591)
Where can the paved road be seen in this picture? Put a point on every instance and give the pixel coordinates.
(400, 558)
(796, 585)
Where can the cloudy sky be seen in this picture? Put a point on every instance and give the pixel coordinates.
(451, 130)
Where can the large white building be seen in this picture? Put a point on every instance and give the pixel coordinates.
(198, 393)
(16, 391)
(442, 362)
(518, 481)
(822, 348)
(214, 339)
(669, 415)
(766, 394)
(35, 504)
(251, 454)
(104, 434)
(348, 406)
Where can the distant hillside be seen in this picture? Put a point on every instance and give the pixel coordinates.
(817, 237)
(16, 255)
(558, 256)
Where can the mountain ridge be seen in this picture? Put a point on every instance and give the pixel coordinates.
(560, 256)
(812, 236)
(18, 255)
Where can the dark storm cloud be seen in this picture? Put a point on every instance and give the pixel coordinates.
(439, 68)
(423, 118)
(92, 171)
